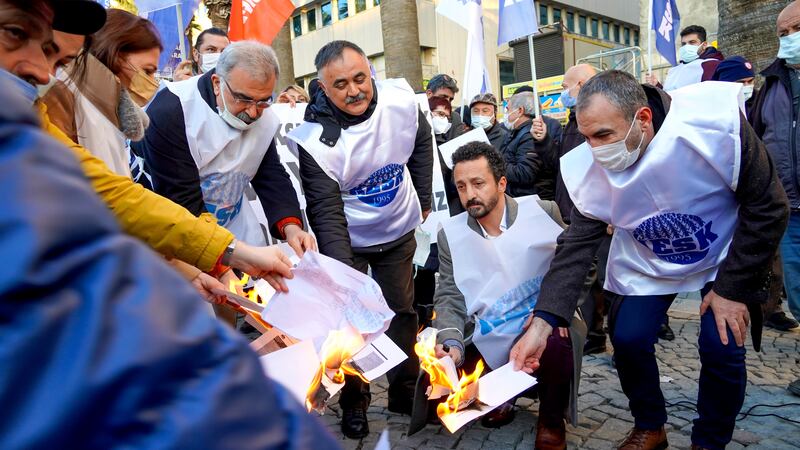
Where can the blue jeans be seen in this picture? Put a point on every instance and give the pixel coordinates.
(790, 252)
(723, 376)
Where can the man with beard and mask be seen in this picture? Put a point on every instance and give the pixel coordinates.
(205, 157)
(774, 116)
(698, 60)
(696, 204)
(496, 232)
(366, 164)
(205, 54)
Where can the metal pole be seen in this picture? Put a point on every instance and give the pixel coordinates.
(181, 36)
(649, 40)
(533, 75)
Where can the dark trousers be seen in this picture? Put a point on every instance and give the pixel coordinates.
(723, 377)
(554, 377)
(594, 309)
(393, 270)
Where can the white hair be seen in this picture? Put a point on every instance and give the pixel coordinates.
(525, 101)
(257, 59)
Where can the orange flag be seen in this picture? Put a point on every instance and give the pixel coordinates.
(258, 20)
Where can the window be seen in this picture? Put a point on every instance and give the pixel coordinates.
(616, 33)
(606, 32)
(311, 18)
(636, 39)
(556, 15)
(297, 26)
(361, 5)
(570, 21)
(582, 24)
(543, 15)
(506, 71)
(327, 14)
(594, 28)
(376, 2)
(627, 36)
(342, 6)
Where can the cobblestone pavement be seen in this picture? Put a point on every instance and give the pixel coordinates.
(604, 417)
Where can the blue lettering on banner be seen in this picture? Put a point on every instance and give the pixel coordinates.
(676, 238)
(381, 187)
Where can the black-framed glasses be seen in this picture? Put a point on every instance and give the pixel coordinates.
(247, 102)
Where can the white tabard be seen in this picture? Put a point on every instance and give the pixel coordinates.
(684, 75)
(226, 158)
(369, 163)
(674, 212)
(500, 278)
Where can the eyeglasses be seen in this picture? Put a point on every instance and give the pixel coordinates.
(247, 102)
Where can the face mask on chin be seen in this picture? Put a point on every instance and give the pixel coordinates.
(615, 156)
(230, 119)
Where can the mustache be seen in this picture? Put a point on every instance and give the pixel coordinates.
(361, 96)
(474, 202)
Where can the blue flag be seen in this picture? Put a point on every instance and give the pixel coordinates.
(666, 23)
(146, 6)
(166, 21)
(517, 20)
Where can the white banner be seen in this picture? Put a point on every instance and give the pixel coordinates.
(293, 117)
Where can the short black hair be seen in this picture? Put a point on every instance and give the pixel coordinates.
(475, 150)
(522, 89)
(212, 30)
(695, 29)
(442, 81)
(333, 50)
(620, 88)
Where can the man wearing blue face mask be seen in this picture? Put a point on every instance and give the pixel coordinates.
(774, 116)
(220, 140)
(696, 204)
(698, 60)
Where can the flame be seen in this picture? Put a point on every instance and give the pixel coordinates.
(252, 296)
(339, 347)
(451, 405)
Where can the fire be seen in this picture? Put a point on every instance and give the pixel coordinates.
(338, 348)
(252, 296)
(466, 392)
(425, 348)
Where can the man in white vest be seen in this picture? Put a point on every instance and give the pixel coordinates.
(480, 312)
(698, 60)
(366, 164)
(211, 136)
(696, 204)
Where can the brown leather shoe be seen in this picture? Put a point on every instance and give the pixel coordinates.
(550, 438)
(645, 440)
(502, 415)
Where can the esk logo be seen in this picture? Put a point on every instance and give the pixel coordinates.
(676, 238)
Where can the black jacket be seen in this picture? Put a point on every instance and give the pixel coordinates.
(744, 276)
(523, 163)
(174, 172)
(570, 139)
(324, 204)
(497, 135)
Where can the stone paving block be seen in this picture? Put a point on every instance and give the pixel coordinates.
(773, 444)
(747, 438)
(612, 430)
(598, 444)
(506, 436)
(679, 440)
(469, 444)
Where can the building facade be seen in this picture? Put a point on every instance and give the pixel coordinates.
(571, 29)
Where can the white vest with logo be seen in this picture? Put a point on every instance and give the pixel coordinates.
(684, 74)
(369, 163)
(226, 158)
(674, 211)
(500, 278)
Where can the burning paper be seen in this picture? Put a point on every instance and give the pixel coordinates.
(471, 395)
(338, 348)
(329, 296)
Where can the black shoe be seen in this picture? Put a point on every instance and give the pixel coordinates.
(400, 407)
(594, 346)
(502, 415)
(354, 423)
(794, 387)
(666, 333)
(781, 322)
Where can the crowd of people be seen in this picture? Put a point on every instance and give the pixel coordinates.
(560, 237)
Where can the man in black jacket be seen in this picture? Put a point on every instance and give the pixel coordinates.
(210, 136)
(366, 164)
(525, 159)
(483, 114)
(708, 215)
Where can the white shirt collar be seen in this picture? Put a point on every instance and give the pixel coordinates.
(503, 226)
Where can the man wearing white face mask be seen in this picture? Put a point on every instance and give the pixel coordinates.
(205, 54)
(698, 60)
(527, 168)
(736, 69)
(696, 205)
(483, 114)
(220, 140)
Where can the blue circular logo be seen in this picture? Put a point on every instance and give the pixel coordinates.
(676, 238)
(381, 187)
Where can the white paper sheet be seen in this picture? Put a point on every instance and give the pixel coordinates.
(448, 148)
(293, 367)
(494, 389)
(378, 357)
(326, 295)
(383, 441)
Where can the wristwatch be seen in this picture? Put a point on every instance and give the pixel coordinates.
(228, 254)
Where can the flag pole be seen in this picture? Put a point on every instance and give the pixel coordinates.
(649, 40)
(181, 36)
(533, 76)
